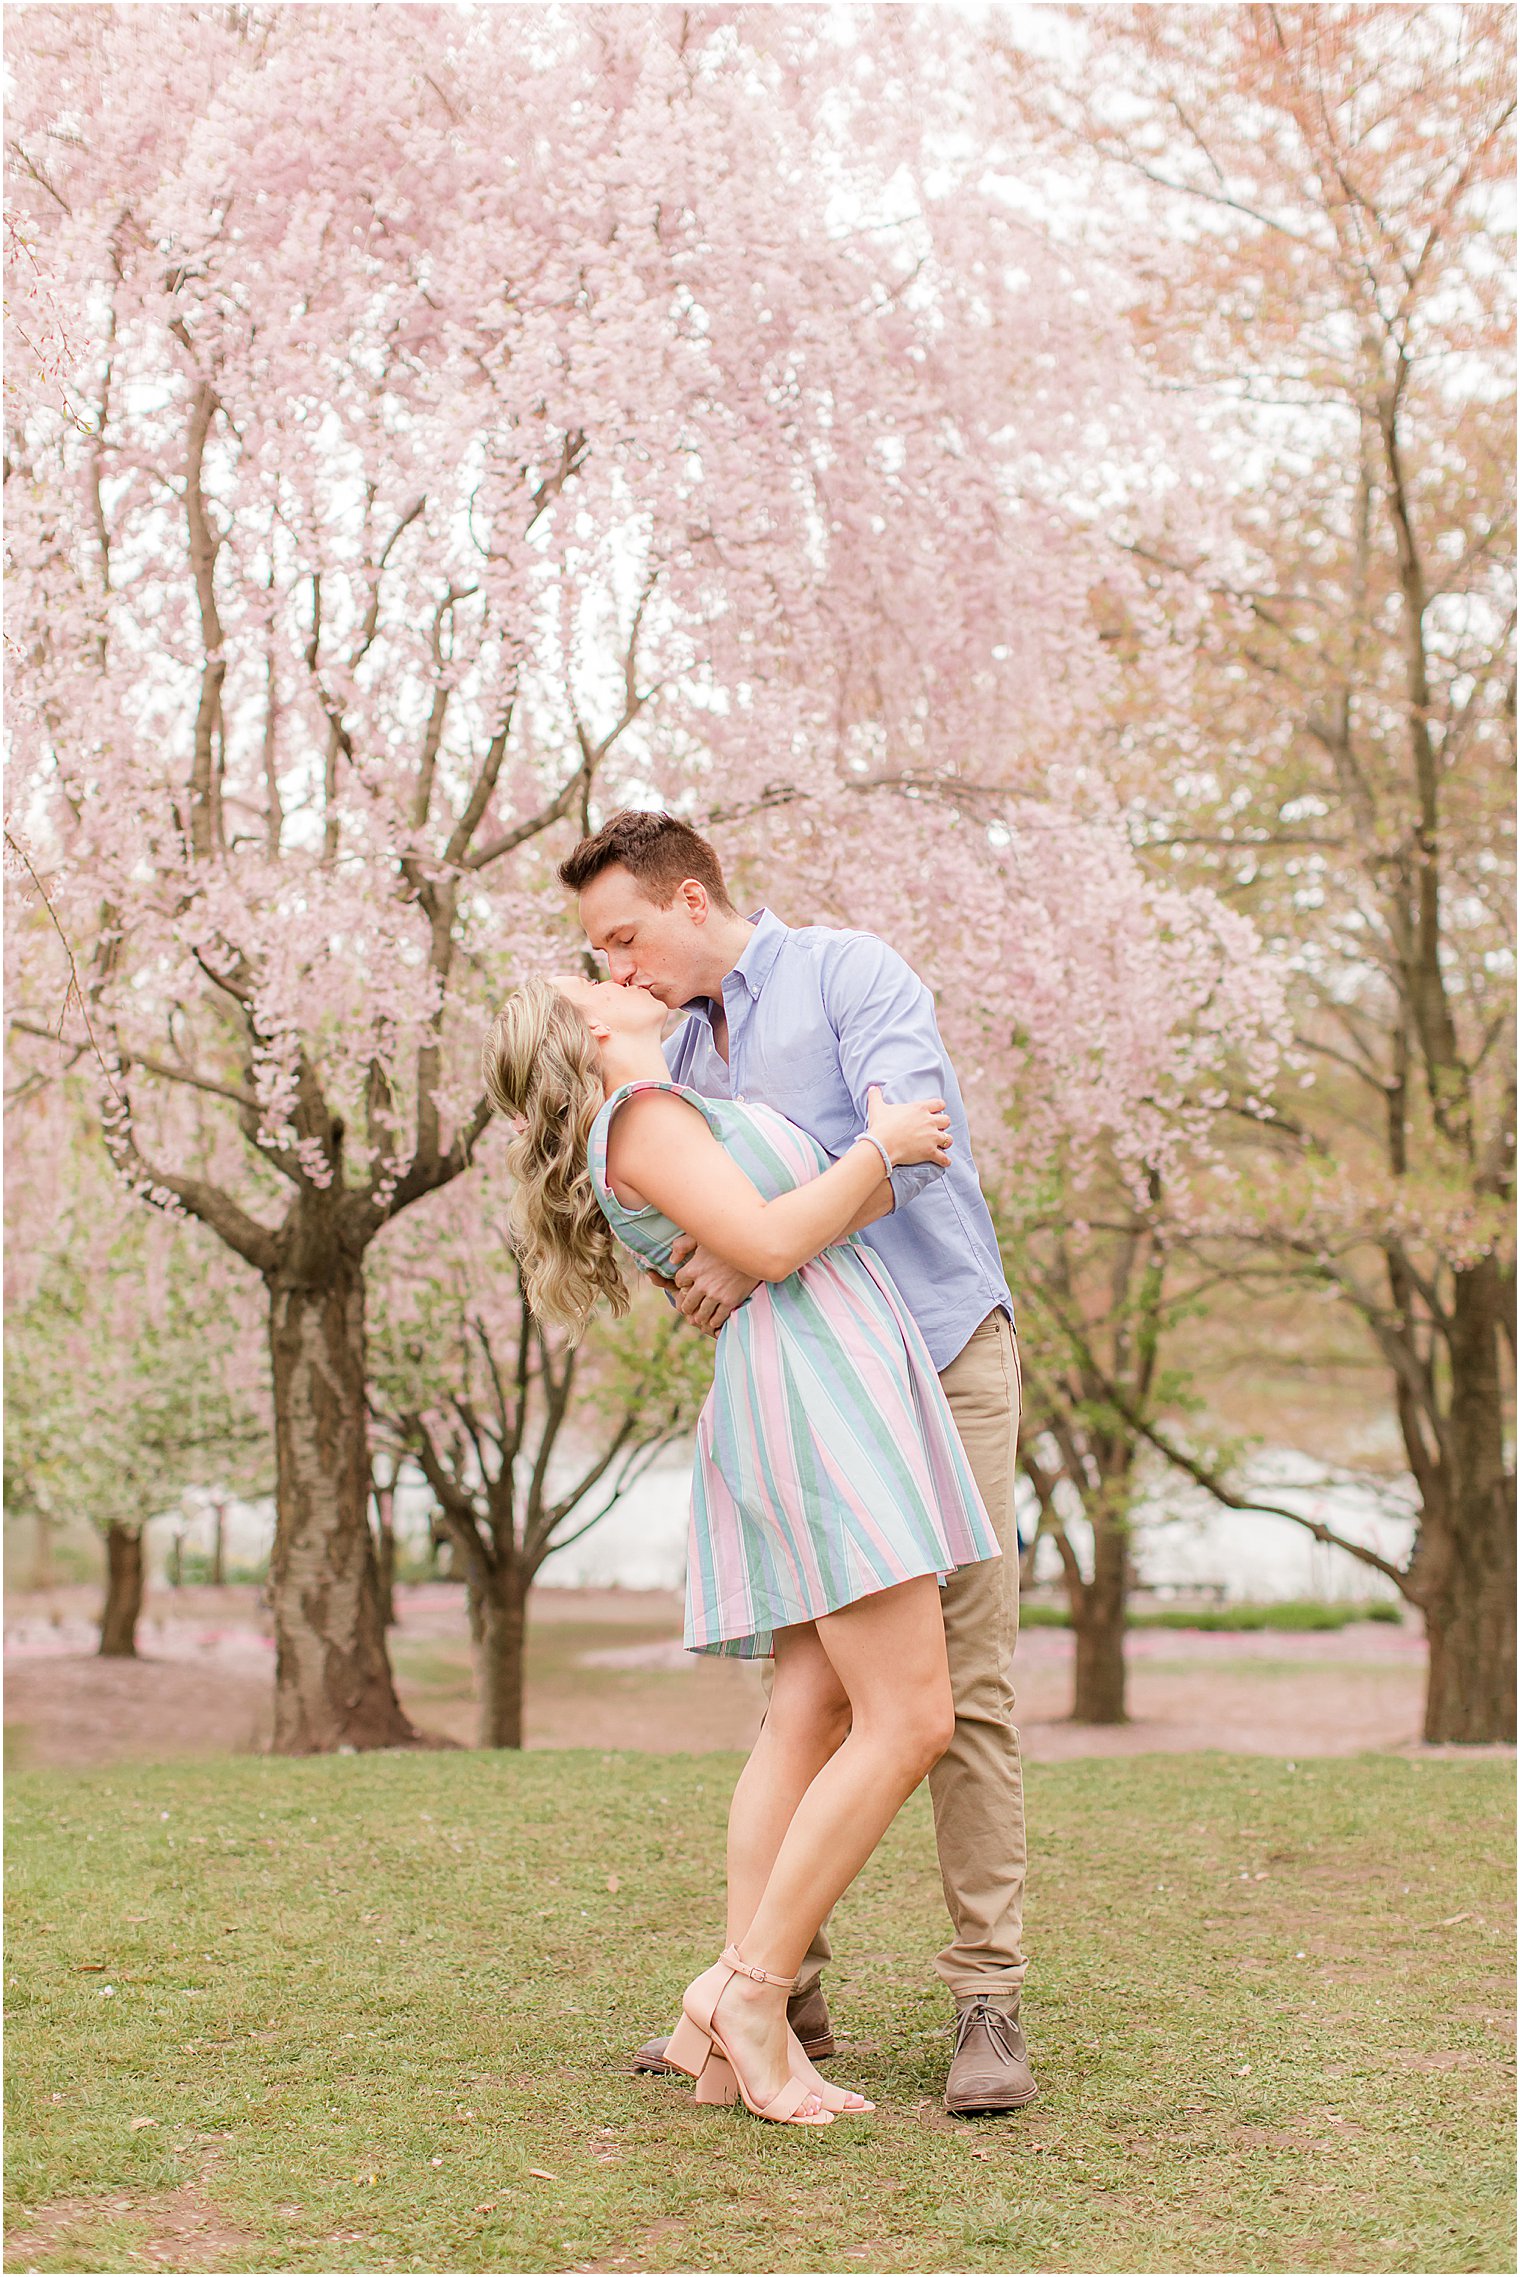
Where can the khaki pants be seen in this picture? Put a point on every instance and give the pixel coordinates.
(977, 1786)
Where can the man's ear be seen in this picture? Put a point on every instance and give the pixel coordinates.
(693, 894)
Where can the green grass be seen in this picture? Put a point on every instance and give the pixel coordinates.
(1290, 1613)
(360, 2000)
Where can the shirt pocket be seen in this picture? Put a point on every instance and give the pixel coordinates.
(803, 1081)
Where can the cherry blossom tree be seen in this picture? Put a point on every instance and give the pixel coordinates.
(1308, 207)
(463, 421)
(1107, 1027)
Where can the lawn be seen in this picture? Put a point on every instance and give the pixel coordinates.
(374, 2013)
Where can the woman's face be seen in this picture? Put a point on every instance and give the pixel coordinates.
(609, 1010)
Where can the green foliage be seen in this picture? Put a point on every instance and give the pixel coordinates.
(127, 1379)
(378, 2013)
(1287, 1613)
(652, 1361)
(414, 1565)
(195, 1569)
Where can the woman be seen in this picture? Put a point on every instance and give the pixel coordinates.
(831, 1490)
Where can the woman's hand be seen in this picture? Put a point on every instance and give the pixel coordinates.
(916, 1132)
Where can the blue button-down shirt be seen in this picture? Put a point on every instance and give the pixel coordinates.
(815, 1018)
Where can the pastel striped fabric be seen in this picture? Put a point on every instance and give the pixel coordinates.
(828, 1465)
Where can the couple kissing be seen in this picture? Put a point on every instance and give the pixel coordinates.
(793, 1163)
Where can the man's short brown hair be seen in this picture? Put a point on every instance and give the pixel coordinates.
(658, 849)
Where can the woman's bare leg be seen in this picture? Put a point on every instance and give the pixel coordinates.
(888, 1653)
(807, 1719)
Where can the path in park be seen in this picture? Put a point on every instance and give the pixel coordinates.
(607, 1670)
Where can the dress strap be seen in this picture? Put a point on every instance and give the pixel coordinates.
(596, 1145)
(653, 1083)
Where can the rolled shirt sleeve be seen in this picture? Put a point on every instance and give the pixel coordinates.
(884, 1018)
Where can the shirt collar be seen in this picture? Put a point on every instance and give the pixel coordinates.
(761, 952)
(754, 967)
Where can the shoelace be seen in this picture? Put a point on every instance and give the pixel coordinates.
(996, 2023)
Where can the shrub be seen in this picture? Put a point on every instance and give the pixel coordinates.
(1300, 1615)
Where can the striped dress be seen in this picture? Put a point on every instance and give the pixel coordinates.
(828, 1465)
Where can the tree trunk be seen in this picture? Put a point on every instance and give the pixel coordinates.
(499, 1609)
(1099, 1623)
(333, 1683)
(124, 1593)
(385, 1551)
(42, 1551)
(1470, 1612)
(218, 1544)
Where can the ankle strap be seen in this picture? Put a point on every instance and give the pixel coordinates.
(734, 1959)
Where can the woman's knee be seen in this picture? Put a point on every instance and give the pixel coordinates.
(917, 1725)
(889, 1653)
(935, 1727)
(811, 1713)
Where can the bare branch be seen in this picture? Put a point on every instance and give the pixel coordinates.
(509, 840)
(130, 1057)
(638, 1460)
(1212, 1484)
(253, 1242)
(205, 819)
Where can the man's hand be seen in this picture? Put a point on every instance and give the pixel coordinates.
(707, 1290)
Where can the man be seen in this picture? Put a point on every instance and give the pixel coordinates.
(805, 1021)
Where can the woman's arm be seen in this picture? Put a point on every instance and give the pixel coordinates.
(660, 1146)
(708, 1298)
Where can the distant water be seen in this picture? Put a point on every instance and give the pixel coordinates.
(1186, 1541)
(641, 1543)
(1182, 1542)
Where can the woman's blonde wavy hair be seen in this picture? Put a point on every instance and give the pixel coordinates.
(540, 1067)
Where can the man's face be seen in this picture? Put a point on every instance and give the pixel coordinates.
(664, 950)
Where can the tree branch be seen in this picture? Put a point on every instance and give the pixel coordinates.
(129, 1057)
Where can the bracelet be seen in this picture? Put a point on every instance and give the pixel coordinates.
(887, 1163)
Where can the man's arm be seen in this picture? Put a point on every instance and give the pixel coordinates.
(884, 1018)
(705, 1289)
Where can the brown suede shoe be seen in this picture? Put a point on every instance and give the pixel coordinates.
(806, 2012)
(990, 2068)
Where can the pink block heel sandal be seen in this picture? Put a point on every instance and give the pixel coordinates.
(696, 2047)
